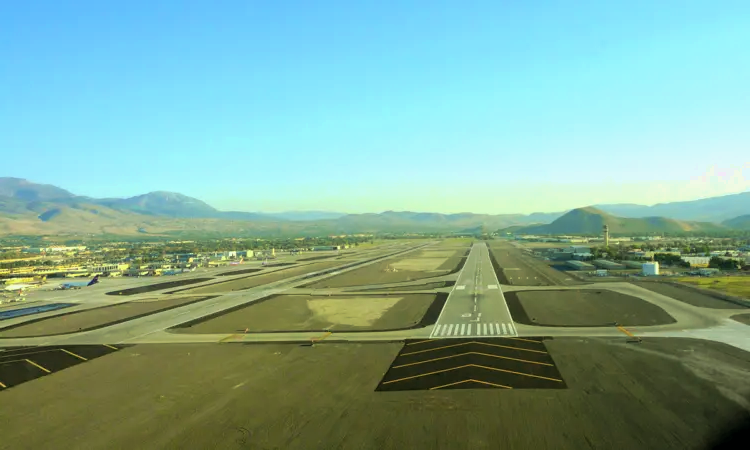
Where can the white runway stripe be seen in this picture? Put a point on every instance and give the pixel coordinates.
(469, 330)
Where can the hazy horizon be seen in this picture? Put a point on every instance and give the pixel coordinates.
(303, 209)
(372, 106)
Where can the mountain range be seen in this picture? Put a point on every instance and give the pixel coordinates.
(590, 220)
(28, 208)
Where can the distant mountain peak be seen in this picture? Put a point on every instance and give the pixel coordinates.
(22, 189)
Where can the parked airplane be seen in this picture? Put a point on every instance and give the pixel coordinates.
(80, 285)
(18, 287)
(237, 262)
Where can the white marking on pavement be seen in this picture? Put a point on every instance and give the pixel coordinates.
(460, 288)
(504, 330)
(450, 328)
(485, 328)
(436, 330)
(491, 286)
(463, 329)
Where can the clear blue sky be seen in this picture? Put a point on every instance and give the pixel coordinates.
(483, 106)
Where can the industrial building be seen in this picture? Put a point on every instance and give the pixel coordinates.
(650, 268)
(697, 261)
(610, 265)
(324, 248)
(579, 265)
(632, 264)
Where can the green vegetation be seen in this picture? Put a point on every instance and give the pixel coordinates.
(736, 285)
(739, 223)
(669, 259)
(723, 263)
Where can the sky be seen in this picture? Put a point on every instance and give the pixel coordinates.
(372, 105)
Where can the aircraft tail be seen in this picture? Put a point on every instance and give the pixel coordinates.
(93, 280)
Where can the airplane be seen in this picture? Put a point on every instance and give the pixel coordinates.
(237, 262)
(18, 287)
(80, 285)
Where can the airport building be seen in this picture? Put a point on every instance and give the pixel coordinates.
(632, 264)
(579, 265)
(326, 248)
(604, 264)
(697, 261)
(650, 268)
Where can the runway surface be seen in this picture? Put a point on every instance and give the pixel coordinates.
(476, 306)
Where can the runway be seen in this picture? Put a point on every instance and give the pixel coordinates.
(476, 306)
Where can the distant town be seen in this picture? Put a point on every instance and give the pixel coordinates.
(23, 267)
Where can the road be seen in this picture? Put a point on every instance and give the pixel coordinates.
(476, 306)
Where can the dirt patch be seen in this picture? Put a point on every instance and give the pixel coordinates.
(383, 272)
(198, 396)
(584, 308)
(259, 280)
(418, 287)
(95, 318)
(442, 253)
(312, 313)
(742, 318)
(158, 286)
(688, 296)
(419, 264)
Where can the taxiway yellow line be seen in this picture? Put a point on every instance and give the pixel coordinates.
(110, 346)
(472, 365)
(472, 380)
(73, 354)
(2, 385)
(37, 365)
(621, 328)
(328, 333)
(473, 342)
(231, 336)
(473, 353)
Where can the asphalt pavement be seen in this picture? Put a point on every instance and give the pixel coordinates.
(476, 306)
